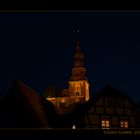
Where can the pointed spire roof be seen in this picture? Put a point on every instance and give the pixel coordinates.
(77, 38)
(78, 45)
(78, 50)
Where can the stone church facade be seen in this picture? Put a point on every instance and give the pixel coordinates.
(78, 91)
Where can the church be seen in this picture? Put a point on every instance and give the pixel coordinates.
(73, 107)
(78, 91)
(109, 108)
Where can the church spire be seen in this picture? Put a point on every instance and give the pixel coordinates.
(78, 45)
(77, 38)
(78, 70)
(78, 58)
(78, 83)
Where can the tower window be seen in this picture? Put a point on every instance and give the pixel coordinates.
(77, 93)
(105, 124)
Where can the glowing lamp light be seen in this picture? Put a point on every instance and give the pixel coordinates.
(74, 127)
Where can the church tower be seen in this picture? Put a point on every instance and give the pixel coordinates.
(78, 83)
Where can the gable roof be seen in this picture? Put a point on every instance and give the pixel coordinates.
(22, 107)
(110, 92)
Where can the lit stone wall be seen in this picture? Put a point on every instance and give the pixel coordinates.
(68, 101)
(80, 87)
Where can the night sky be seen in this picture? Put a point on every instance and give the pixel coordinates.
(37, 48)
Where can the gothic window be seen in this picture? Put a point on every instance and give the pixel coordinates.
(105, 124)
(123, 124)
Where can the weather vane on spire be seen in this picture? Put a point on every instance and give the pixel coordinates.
(77, 38)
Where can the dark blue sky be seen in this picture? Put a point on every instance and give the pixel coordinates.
(37, 48)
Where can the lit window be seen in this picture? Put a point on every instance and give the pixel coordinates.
(105, 124)
(124, 124)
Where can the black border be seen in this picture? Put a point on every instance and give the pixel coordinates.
(69, 6)
(60, 6)
(35, 133)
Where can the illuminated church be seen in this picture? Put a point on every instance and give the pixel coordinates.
(78, 91)
(108, 108)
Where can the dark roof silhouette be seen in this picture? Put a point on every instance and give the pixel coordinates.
(21, 107)
(53, 91)
(110, 92)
